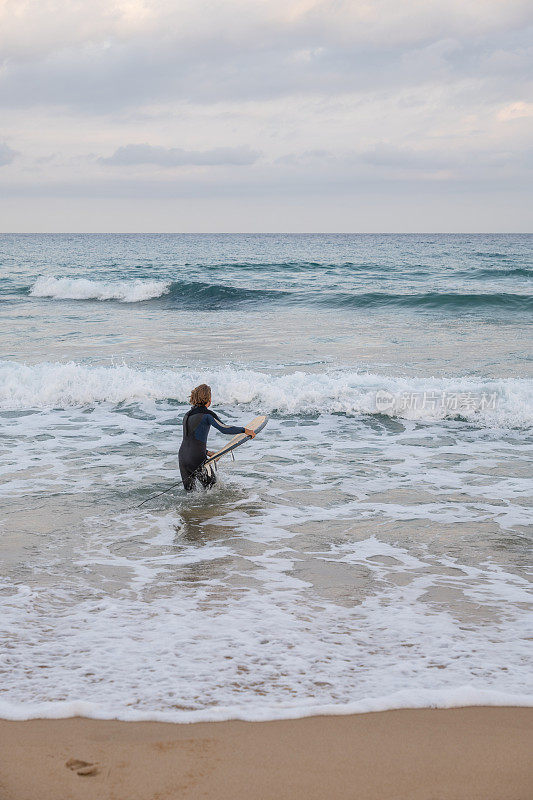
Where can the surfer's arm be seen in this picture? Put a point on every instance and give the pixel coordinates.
(229, 429)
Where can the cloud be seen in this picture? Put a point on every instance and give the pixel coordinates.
(106, 55)
(391, 157)
(7, 155)
(384, 169)
(320, 96)
(386, 163)
(35, 28)
(177, 157)
(517, 110)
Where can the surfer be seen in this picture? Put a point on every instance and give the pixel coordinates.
(193, 451)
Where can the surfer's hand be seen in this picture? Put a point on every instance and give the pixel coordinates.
(210, 453)
(250, 432)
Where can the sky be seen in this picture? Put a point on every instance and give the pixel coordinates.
(266, 115)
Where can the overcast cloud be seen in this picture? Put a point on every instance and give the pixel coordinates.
(178, 157)
(315, 115)
(7, 154)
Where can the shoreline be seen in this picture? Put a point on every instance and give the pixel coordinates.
(477, 752)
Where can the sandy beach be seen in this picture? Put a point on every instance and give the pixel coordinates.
(456, 754)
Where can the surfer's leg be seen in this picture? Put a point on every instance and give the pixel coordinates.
(207, 476)
(187, 476)
(188, 483)
(191, 457)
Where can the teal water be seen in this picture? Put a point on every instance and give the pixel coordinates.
(370, 549)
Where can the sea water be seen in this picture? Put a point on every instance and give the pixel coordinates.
(368, 550)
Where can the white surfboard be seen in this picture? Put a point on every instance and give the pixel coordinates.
(255, 425)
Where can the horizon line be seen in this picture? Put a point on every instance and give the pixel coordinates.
(266, 233)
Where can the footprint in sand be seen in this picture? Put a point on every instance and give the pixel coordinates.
(82, 767)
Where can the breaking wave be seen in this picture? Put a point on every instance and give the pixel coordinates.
(214, 296)
(134, 291)
(491, 403)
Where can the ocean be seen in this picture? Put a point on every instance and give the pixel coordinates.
(369, 550)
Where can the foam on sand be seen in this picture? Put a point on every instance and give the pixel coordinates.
(273, 658)
(456, 697)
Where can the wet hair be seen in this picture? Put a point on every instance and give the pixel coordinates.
(201, 395)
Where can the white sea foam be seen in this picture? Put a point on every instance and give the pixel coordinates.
(278, 595)
(133, 291)
(171, 650)
(337, 391)
(457, 697)
(345, 562)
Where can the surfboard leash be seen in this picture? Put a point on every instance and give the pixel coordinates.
(173, 486)
(155, 496)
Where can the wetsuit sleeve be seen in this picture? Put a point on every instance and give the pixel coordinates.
(230, 429)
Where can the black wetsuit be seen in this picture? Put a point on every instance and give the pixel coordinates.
(193, 450)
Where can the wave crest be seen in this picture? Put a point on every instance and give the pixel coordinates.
(496, 403)
(199, 295)
(84, 289)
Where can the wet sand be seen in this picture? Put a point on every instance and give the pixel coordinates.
(459, 754)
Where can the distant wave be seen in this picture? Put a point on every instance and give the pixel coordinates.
(433, 300)
(495, 254)
(214, 296)
(296, 266)
(200, 295)
(134, 291)
(193, 295)
(507, 402)
(512, 272)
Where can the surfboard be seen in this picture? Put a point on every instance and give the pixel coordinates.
(255, 425)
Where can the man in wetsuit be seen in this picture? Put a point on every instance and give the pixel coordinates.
(193, 451)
